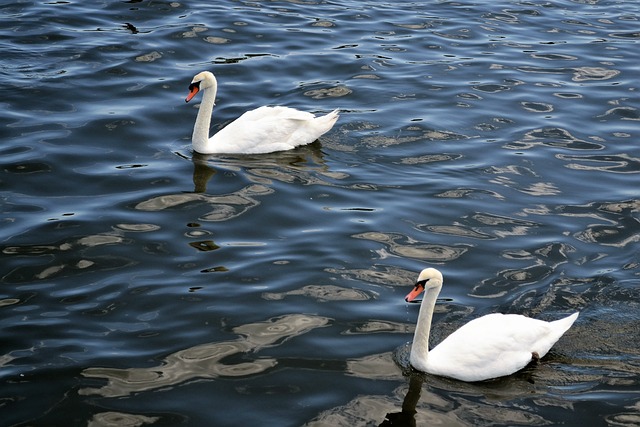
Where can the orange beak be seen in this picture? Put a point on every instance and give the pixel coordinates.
(417, 290)
(193, 89)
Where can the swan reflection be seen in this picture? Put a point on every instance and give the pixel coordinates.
(205, 360)
(407, 416)
(425, 400)
(304, 164)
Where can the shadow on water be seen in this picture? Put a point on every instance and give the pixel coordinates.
(282, 165)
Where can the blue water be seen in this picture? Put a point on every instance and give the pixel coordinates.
(143, 284)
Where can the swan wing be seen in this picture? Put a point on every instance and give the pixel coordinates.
(495, 345)
(268, 129)
(275, 113)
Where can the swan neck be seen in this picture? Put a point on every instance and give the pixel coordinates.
(200, 136)
(420, 347)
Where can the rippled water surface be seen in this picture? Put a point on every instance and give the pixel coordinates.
(143, 284)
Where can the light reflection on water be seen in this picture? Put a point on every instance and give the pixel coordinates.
(204, 360)
(143, 284)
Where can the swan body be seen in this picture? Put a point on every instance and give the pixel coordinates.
(488, 347)
(263, 130)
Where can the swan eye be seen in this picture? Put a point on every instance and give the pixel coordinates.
(422, 283)
(193, 86)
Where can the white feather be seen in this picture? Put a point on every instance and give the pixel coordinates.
(488, 347)
(263, 130)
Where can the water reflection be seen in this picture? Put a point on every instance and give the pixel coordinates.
(375, 367)
(617, 227)
(380, 274)
(427, 400)
(552, 137)
(119, 419)
(205, 360)
(581, 74)
(63, 259)
(418, 250)
(456, 230)
(620, 163)
(202, 172)
(436, 98)
(431, 400)
(380, 326)
(411, 134)
(406, 417)
(304, 164)
(321, 293)
(225, 206)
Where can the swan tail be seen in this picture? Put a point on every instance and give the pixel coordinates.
(558, 327)
(565, 323)
(326, 122)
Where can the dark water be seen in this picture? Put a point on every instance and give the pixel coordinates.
(143, 285)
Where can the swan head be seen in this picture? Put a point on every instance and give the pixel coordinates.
(429, 278)
(201, 81)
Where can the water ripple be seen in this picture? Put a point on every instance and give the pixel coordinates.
(494, 140)
(203, 361)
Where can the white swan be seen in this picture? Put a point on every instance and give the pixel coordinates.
(489, 347)
(263, 130)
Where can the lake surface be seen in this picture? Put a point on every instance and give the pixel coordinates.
(142, 284)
